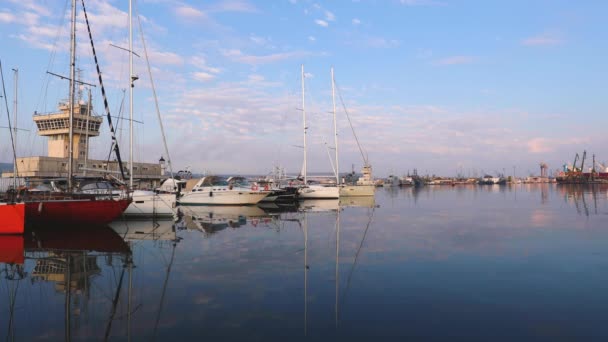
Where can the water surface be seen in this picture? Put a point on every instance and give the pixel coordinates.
(527, 262)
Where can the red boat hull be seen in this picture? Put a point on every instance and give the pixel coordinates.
(12, 218)
(75, 211)
(11, 249)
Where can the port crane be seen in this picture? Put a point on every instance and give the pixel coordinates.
(574, 163)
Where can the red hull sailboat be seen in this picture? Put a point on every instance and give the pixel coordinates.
(73, 207)
(75, 211)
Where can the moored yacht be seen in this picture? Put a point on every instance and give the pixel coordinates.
(214, 190)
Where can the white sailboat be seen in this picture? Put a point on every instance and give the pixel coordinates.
(145, 203)
(365, 184)
(313, 191)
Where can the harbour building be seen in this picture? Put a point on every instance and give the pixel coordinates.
(55, 126)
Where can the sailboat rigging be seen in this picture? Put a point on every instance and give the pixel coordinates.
(71, 206)
(365, 184)
(312, 191)
(12, 210)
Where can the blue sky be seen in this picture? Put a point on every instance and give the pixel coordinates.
(444, 86)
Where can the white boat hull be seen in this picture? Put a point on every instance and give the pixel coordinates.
(150, 204)
(222, 198)
(137, 230)
(319, 192)
(357, 190)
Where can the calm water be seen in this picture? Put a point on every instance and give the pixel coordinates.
(470, 263)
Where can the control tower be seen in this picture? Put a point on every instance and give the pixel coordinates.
(56, 127)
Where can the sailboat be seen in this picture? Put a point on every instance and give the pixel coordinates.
(145, 203)
(12, 211)
(365, 184)
(70, 207)
(313, 191)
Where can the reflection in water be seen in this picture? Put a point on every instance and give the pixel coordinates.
(584, 197)
(69, 259)
(448, 262)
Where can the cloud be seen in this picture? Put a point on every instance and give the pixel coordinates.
(329, 16)
(188, 12)
(321, 23)
(7, 17)
(203, 76)
(368, 41)
(233, 6)
(356, 21)
(34, 6)
(455, 60)
(312, 38)
(237, 56)
(201, 63)
(544, 39)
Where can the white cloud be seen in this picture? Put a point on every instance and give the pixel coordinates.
(203, 76)
(329, 16)
(233, 6)
(312, 38)
(201, 63)
(34, 6)
(544, 39)
(7, 17)
(237, 56)
(188, 12)
(368, 41)
(356, 21)
(322, 23)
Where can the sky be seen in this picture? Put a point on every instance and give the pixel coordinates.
(442, 86)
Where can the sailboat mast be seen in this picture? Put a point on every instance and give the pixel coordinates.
(333, 99)
(72, 94)
(131, 94)
(16, 71)
(304, 115)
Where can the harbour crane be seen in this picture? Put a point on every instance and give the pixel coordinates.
(574, 163)
(583, 161)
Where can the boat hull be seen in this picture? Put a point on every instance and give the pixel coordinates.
(319, 192)
(12, 218)
(357, 190)
(222, 198)
(150, 204)
(75, 211)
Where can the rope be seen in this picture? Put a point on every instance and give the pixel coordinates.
(103, 94)
(351, 127)
(160, 121)
(8, 115)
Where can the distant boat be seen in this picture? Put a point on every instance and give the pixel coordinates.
(489, 180)
(214, 190)
(406, 181)
(391, 181)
